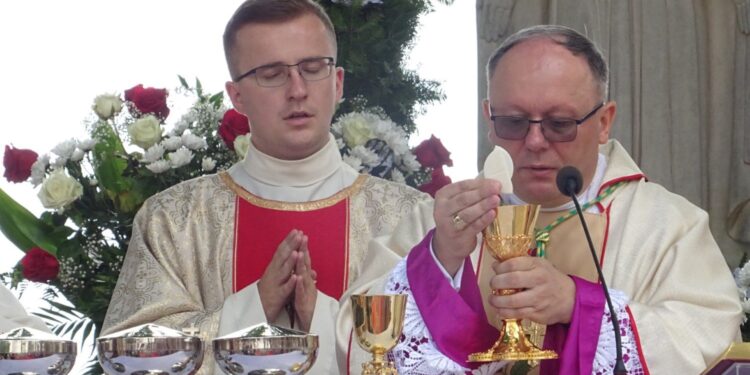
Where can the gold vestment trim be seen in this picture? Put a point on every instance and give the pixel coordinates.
(293, 206)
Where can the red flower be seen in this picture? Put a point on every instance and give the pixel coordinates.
(39, 265)
(148, 100)
(439, 179)
(17, 163)
(232, 125)
(432, 154)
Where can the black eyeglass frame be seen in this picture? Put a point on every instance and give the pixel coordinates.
(331, 63)
(542, 122)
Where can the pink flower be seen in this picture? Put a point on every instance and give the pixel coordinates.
(17, 163)
(439, 179)
(39, 265)
(232, 125)
(148, 100)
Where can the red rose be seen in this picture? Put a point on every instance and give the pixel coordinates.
(39, 265)
(439, 179)
(17, 163)
(148, 100)
(432, 154)
(232, 125)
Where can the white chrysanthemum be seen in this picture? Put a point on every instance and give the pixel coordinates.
(353, 162)
(86, 144)
(65, 149)
(208, 164)
(77, 155)
(158, 166)
(336, 127)
(340, 143)
(367, 156)
(397, 176)
(193, 142)
(172, 143)
(59, 162)
(743, 275)
(153, 154)
(181, 157)
(38, 170)
(410, 162)
(746, 306)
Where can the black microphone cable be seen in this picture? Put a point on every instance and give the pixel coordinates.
(569, 182)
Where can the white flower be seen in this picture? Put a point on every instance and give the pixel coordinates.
(208, 164)
(77, 155)
(180, 157)
(353, 162)
(145, 132)
(93, 181)
(153, 154)
(158, 166)
(172, 143)
(397, 176)
(107, 106)
(38, 169)
(410, 162)
(59, 162)
(59, 190)
(367, 156)
(193, 141)
(65, 149)
(241, 144)
(86, 144)
(743, 275)
(356, 128)
(340, 143)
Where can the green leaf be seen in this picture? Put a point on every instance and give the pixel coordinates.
(25, 230)
(183, 82)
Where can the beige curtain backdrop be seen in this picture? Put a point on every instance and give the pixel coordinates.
(679, 72)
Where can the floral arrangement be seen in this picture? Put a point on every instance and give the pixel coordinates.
(92, 188)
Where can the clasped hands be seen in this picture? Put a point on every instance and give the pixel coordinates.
(462, 210)
(289, 281)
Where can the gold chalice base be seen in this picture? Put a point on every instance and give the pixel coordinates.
(513, 345)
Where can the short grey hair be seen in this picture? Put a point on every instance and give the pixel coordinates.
(572, 40)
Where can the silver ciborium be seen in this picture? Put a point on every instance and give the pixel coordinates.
(265, 349)
(150, 349)
(27, 351)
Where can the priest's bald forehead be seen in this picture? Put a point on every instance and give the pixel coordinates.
(572, 40)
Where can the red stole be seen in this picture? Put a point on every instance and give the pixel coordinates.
(261, 225)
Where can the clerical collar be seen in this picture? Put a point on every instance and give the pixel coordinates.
(587, 195)
(304, 172)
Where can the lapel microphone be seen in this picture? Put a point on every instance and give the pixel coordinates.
(570, 182)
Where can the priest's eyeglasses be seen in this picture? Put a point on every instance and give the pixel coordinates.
(554, 129)
(275, 75)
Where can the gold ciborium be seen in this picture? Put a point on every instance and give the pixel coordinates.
(510, 235)
(378, 321)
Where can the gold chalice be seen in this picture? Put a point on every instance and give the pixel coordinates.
(510, 235)
(378, 321)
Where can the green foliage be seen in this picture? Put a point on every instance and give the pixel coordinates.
(373, 40)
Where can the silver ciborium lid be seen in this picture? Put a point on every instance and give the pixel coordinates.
(29, 351)
(150, 349)
(265, 349)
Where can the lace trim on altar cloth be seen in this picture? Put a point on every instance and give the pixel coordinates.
(606, 352)
(415, 353)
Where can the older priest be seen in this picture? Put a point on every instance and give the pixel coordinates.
(283, 235)
(672, 290)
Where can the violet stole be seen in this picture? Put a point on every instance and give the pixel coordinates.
(456, 320)
(576, 342)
